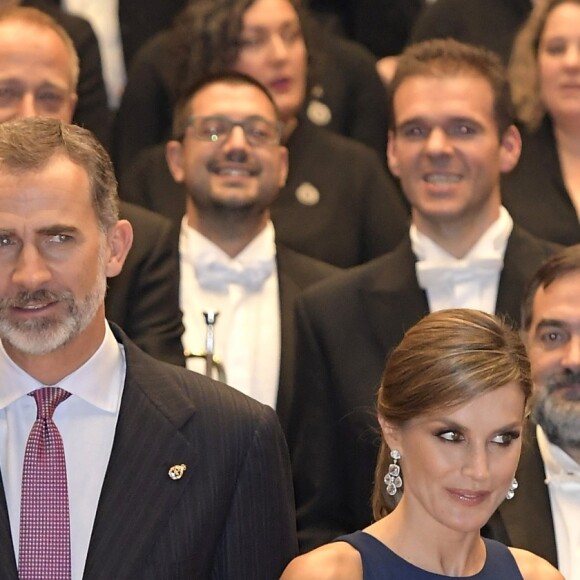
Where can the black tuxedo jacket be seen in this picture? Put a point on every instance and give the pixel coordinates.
(144, 298)
(230, 516)
(346, 328)
(338, 205)
(296, 272)
(526, 520)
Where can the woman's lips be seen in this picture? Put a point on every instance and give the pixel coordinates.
(468, 497)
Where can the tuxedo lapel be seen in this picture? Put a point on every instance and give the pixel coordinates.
(289, 289)
(513, 279)
(528, 517)
(523, 256)
(138, 496)
(391, 299)
(8, 568)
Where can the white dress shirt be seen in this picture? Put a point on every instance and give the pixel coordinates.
(104, 18)
(469, 282)
(247, 331)
(563, 480)
(86, 421)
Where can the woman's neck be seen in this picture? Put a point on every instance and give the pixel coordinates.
(443, 550)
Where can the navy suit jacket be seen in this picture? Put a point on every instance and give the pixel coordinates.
(346, 328)
(230, 516)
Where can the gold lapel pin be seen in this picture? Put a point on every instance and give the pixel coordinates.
(177, 471)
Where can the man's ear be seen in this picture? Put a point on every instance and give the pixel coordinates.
(511, 148)
(392, 158)
(119, 242)
(174, 157)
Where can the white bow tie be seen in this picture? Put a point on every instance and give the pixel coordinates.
(216, 275)
(436, 272)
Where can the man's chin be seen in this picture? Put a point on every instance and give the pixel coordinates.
(38, 342)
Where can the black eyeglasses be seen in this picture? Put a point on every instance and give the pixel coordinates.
(217, 128)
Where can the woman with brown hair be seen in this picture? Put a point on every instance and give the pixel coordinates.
(451, 406)
(543, 192)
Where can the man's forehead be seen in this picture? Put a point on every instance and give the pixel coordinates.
(235, 100)
(559, 301)
(428, 90)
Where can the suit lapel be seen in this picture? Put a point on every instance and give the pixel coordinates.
(289, 289)
(513, 279)
(528, 517)
(138, 495)
(392, 298)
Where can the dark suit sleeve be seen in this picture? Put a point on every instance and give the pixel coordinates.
(320, 479)
(259, 536)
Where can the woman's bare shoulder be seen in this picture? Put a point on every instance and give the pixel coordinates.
(533, 567)
(336, 561)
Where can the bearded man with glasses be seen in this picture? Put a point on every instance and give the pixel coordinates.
(227, 153)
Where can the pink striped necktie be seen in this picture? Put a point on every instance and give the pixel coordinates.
(44, 551)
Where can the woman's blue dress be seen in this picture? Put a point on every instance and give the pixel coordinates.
(381, 563)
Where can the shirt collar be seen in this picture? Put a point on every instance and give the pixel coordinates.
(556, 461)
(491, 244)
(194, 245)
(98, 381)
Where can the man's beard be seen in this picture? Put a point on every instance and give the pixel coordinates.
(559, 416)
(42, 335)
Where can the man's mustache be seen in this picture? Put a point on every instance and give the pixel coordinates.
(25, 298)
(563, 379)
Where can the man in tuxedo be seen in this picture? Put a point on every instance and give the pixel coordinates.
(228, 157)
(168, 473)
(39, 72)
(451, 137)
(543, 515)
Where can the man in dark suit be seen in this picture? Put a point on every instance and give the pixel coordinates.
(543, 515)
(229, 158)
(168, 473)
(451, 137)
(38, 76)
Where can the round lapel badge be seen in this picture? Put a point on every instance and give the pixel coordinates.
(319, 113)
(307, 194)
